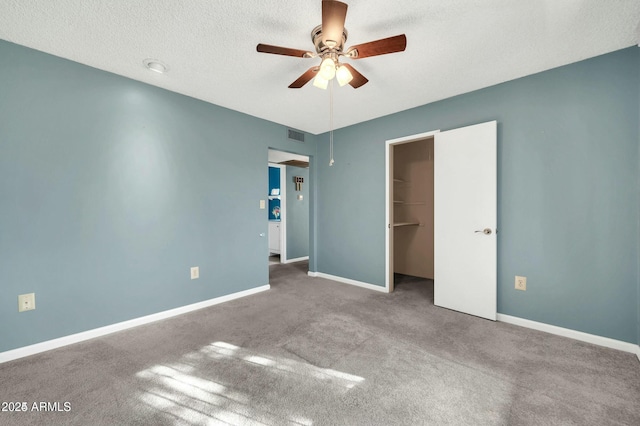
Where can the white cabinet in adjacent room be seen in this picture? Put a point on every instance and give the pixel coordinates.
(274, 237)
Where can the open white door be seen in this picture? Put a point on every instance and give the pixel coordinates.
(465, 220)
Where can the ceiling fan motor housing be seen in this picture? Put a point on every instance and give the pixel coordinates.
(321, 47)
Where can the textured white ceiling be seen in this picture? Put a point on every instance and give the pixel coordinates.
(453, 47)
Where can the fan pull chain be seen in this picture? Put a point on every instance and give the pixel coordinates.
(331, 123)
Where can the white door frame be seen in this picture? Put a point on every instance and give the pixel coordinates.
(387, 223)
(283, 210)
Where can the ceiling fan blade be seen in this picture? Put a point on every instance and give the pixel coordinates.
(277, 50)
(358, 79)
(379, 47)
(333, 15)
(304, 78)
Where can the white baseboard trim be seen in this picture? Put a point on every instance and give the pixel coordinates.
(297, 259)
(348, 281)
(572, 334)
(102, 331)
(638, 352)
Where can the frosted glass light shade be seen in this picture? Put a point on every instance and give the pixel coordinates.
(320, 82)
(343, 75)
(327, 69)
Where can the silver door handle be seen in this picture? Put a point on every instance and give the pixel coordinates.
(485, 231)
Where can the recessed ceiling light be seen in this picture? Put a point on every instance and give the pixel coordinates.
(155, 65)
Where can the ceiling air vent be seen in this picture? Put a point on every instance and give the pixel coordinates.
(296, 136)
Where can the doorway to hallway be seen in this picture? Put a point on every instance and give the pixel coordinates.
(288, 207)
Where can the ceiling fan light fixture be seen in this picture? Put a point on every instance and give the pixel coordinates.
(329, 40)
(320, 82)
(343, 75)
(327, 69)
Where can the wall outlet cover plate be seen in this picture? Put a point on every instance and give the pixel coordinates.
(521, 283)
(26, 302)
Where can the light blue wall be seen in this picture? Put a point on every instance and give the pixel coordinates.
(567, 192)
(112, 189)
(297, 214)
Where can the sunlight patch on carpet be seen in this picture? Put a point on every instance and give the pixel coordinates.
(184, 392)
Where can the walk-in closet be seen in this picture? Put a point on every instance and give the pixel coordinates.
(412, 198)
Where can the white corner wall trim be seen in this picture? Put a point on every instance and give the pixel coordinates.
(102, 331)
(572, 334)
(297, 259)
(348, 281)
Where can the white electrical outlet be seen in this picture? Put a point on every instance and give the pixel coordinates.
(26, 302)
(521, 283)
(195, 272)
(263, 204)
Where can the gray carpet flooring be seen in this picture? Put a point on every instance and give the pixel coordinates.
(315, 352)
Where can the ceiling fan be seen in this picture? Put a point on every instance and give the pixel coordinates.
(329, 39)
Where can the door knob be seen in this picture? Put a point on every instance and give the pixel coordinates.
(485, 231)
